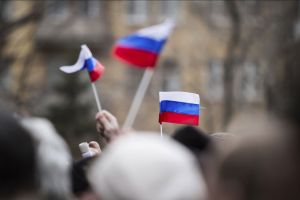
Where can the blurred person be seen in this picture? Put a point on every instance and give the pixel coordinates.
(194, 139)
(201, 145)
(264, 166)
(18, 156)
(223, 144)
(142, 166)
(53, 159)
(209, 149)
(108, 128)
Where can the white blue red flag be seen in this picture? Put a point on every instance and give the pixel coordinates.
(86, 61)
(179, 108)
(143, 47)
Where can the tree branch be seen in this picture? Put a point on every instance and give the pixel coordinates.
(9, 26)
(229, 62)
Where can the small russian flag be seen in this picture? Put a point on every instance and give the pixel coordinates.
(86, 61)
(179, 108)
(143, 47)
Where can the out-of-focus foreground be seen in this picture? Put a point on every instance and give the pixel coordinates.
(240, 56)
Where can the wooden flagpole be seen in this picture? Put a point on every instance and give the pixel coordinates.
(161, 132)
(138, 98)
(96, 96)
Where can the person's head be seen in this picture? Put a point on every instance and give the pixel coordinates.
(142, 167)
(194, 139)
(225, 142)
(17, 160)
(53, 159)
(263, 166)
(209, 149)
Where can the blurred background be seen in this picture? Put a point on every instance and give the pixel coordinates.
(239, 55)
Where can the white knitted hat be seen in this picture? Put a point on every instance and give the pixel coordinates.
(54, 159)
(144, 167)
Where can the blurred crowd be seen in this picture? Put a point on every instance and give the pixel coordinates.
(261, 163)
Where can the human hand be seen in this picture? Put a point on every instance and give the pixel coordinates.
(107, 125)
(95, 148)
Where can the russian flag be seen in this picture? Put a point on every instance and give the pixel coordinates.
(143, 47)
(179, 108)
(86, 61)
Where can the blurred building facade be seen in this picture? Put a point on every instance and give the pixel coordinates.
(192, 60)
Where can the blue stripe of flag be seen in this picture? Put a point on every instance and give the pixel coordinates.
(142, 43)
(180, 107)
(90, 64)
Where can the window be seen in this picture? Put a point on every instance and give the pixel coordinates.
(218, 14)
(89, 8)
(136, 12)
(171, 79)
(5, 78)
(249, 83)
(57, 9)
(297, 25)
(214, 82)
(169, 9)
(7, 12)
(60, 9)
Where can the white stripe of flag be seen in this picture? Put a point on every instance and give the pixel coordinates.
(185, 97)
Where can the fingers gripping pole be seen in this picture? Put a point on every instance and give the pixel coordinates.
(96, 97)
(138, 98)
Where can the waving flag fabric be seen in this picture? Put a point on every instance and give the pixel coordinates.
(86, 61)
(142, 48)
(179, 108)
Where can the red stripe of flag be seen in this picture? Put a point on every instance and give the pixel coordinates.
(172, 117)
(97, 72)
(136, 57)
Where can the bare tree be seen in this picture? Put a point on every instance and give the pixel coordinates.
(6, 28)
(273, 37)
(283, 84)
(230, 59)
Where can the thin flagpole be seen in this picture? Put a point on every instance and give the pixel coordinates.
(96, 96)
(138, 98)
(161, 132)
